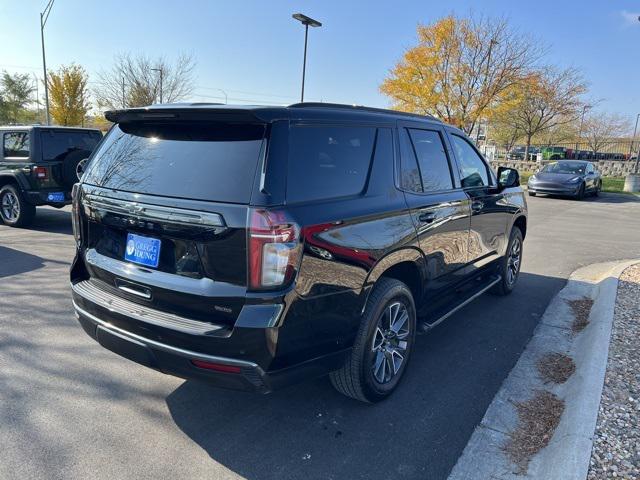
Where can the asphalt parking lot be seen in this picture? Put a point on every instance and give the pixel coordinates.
(70, 409)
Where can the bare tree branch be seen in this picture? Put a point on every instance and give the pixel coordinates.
(141, 80)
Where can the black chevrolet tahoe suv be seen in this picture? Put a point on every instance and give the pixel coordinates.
(254, 247)
(38, 166)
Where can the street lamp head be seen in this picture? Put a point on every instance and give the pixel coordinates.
(306, 20)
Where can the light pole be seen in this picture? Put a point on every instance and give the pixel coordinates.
(307, 22)
(635, 129)
(226, 98)
(44, 16)
(492, 42)
(159, 70)
(635, 168)
(584, 109)
(35, 78)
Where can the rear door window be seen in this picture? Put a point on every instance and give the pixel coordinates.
(410, 180)
(16, 145)
(432, 159)
(328, 161)
(196, 160)
(56, 145)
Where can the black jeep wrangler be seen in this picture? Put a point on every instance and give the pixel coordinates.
(254, 247)
(39, 166)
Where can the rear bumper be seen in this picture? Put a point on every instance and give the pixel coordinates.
(179, 361)
(40, 197)
(172, 360)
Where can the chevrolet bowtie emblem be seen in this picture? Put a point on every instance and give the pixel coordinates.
(135, 208)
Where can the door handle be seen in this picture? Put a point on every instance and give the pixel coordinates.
(133, 288)
(477, 205)
(427, 217)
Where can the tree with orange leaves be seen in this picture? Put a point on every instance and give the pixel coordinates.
(459, 69)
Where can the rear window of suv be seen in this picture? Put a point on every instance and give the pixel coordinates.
(196, 160)
(328, 161)
(56, 145)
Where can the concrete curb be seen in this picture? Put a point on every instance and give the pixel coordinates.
(567, 454)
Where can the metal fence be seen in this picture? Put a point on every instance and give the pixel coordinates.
(619, 150)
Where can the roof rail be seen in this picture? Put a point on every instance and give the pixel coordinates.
(361, 108)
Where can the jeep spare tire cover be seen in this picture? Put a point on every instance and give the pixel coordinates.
(70, 166)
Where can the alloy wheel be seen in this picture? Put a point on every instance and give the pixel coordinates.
(513, 261)
(80, 168)
(390, 342)
(10, 206)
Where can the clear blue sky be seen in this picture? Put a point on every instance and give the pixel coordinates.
(253, 49)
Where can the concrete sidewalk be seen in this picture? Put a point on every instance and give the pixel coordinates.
(569, 450)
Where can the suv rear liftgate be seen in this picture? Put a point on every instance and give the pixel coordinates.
(167, 265)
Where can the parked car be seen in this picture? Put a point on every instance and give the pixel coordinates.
(38, 166)
(581, 155)
(518, 153)
(567, 177)
(254, 247)
(554, 153)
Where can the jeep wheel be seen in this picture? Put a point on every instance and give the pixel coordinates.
(71, 172)
(383, 344)
(14, 210)
(80, 167)
(510, 265)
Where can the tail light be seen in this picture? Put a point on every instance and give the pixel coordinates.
(75, 212)
(274, 249)
(41, 173)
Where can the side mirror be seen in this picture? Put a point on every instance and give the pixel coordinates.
(508, 178)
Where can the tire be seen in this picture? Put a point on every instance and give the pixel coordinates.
(580, 194)
(70, 167)
(596, 192)
(507, 283)
(532, 194)
(15, 211)
(360, 376)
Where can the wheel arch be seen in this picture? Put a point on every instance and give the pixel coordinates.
(521, 223)
(406, 265)
(14, 179)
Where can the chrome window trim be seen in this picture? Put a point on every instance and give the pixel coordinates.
(145, 211)
(155, 278)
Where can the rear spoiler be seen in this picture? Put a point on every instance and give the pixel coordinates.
(221, 113)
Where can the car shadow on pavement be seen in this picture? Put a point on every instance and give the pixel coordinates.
(310, 431)
(52, 220)
(617, 198)
(15, 262)
(604, 197)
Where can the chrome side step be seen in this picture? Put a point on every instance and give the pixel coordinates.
(428, 326)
